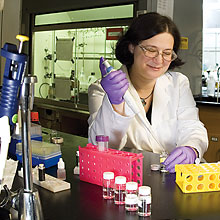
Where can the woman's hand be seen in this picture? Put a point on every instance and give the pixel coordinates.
(115, 84)
(180, 155)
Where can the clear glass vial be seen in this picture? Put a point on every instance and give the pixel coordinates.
(120, 190)
(163, 157)
(131, 188)
(144, 201)
(102, 142)
(131, 198)
(108, 185)
(131, 203)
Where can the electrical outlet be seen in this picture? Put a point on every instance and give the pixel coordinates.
(215, 139)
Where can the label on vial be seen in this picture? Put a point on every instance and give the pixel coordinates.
(147, 200)
(131, 199)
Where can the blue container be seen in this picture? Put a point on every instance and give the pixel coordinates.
(17, 139)
(42, 152)
(48, 161)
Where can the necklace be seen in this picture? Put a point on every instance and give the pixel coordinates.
(143, 100)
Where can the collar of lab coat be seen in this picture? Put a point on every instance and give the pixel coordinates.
(160, 96)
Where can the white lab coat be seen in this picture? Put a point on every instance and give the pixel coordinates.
(174, 120)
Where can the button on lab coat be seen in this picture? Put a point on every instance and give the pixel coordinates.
(174, 120)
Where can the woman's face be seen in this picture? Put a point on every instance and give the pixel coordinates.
(151, 68)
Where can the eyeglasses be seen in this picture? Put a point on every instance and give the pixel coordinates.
(152, 52)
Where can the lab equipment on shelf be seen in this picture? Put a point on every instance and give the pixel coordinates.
(93, 163)
(120, 189)
(108, 185)
(203, 177)
(144, 201)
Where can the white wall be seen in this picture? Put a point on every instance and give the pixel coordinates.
(187, 15)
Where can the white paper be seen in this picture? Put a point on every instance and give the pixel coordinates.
(165, 7)
(9, 173)
(5, 140)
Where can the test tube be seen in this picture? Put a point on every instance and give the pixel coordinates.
(102, 142)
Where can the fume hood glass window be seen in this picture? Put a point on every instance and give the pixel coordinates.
(95, 14)
(66, 62)
(211, 42)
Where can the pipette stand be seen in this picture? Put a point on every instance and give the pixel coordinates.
(18, 89)
(29, 202)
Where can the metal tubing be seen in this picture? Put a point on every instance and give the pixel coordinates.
(29, 206)
(29, 201)
(26, 101)
(26, 151)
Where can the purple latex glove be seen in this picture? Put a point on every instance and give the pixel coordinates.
(115, 84)
(181, 155)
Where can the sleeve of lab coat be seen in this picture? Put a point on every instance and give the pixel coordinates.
(104, 120)
(191, 131)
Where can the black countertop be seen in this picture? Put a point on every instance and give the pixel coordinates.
(84, 200)
(207, 100)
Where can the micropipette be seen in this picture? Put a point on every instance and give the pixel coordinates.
(12, 79)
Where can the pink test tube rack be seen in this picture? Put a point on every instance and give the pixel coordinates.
(94, 162)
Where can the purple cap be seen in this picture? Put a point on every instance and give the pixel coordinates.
(102, 138)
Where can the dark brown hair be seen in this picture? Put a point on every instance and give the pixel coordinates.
(142, 28)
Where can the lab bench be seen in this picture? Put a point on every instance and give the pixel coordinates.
(66, 117)
(84, 200)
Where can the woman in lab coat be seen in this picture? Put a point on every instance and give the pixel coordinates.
(161, 113)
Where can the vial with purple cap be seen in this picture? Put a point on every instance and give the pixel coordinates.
(102, 142)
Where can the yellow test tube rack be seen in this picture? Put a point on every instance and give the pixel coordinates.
(192, 178)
